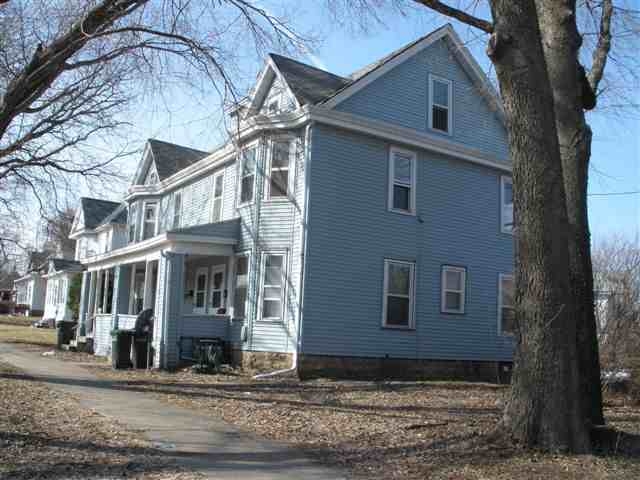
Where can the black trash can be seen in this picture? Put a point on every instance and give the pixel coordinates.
(64, 333)
(140, 351)
(121, 349)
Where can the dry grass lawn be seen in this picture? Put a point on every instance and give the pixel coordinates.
(24, 333)
(45, 434)
(391, 430)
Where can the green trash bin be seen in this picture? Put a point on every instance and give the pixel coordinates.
(121, 349)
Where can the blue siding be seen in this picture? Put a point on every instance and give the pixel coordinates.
(351, 233)
(401, 97)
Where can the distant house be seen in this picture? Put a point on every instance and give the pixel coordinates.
(356, 225)
(31, 287)
(59, 276)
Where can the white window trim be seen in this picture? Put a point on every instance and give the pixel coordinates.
(143, 222)
(285, 266)
(503, 228)
(213, 196)
(444, 290)
(199, 271)
(232, 299)
(290, 169)
(256, 144)
(449, 107)
(501, 277)
(217, 269)
(412, 294)
(391, 181)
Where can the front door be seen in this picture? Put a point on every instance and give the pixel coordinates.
(217, 288)
(200, 291)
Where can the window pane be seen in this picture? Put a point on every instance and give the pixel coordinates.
(200, 299)
(272, 292)
(239, 301)
(508, 320)
(402, 169)
(453, 280)
(249, 163)
(401, 197)
(272, 309)
(202, 280)
(279, 183)
(397, 311)
(216, 299)
(508, 193)
(217, 280)
(273, 261)
(242, 265)
(217, 190)
(399, 278)
(273, 276)
(246, 194)
(452, 301)
(440, 117)
(217, 210)
(440, 93)
(507, 292)
(280, 155)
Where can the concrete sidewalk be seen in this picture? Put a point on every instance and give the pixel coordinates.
(189, 438)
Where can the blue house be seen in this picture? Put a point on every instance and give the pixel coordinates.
(353, 226)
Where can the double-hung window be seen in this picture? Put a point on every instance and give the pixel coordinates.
(398, 294)
(506, 305)
(177, 210)
(149, 220)
(506, 205)
(132, 219)
(453, 289)
(248, 174)
(216, 207)
(440, 92)
(241, 286)
(200, 290)
(278, 184)
(402, 181)
(273, 267)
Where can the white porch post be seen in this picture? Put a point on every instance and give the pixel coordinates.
(148, 287)
(84, 303)
(98, 294)
(168, 309)
(231, 273)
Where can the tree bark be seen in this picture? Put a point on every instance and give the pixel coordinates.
(543, 409)
(561, 44)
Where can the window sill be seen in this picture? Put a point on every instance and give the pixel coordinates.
(452, 312)
(441, 132)
(507, 232)
(402, 212)
(270, 321)
(277, 200)
(399, 327)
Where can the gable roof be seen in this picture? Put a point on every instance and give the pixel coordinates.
(96, 210)
(170, 158)
(61, 264)
(309, 84)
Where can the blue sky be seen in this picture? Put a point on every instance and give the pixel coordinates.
(194, 121)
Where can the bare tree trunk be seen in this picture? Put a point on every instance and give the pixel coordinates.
(572, 93)
(543, 410)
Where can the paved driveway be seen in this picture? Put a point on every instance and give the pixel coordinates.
(207, 445)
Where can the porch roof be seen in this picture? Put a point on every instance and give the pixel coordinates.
(208, 239)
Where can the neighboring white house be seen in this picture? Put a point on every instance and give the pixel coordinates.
(60, 274)
(30, 288)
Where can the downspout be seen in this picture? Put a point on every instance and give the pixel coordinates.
(303, 258)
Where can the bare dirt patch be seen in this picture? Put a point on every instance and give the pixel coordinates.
(390, 430)
(45, 434)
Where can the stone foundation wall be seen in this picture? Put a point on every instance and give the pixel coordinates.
(314, 366)
(261, 361)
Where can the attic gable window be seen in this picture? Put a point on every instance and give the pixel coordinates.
(440, 94)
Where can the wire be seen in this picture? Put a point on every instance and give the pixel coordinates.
(635, 192)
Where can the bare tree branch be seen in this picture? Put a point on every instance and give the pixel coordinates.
(458, 14)
(601, 52)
